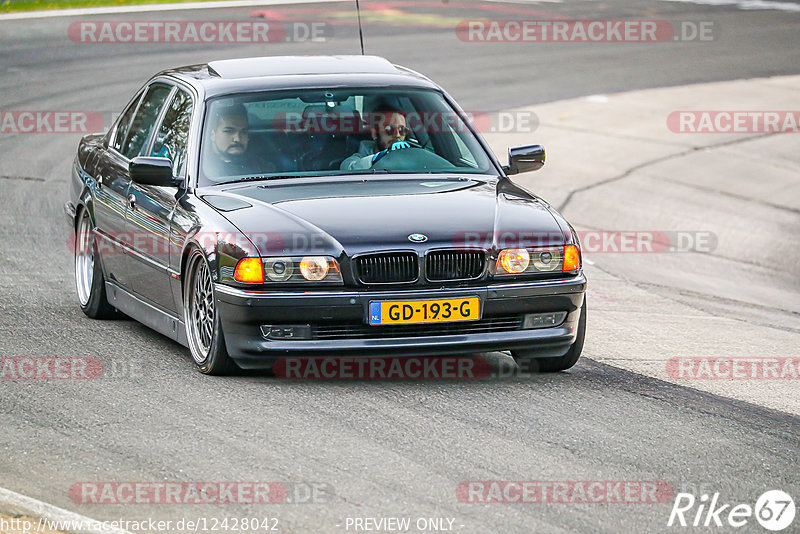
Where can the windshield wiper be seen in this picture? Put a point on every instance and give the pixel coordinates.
(362, 171)
(356, 172)
(386, 171)
(265, 177)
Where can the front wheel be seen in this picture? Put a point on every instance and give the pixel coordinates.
(527, 361)
(89, 281)
(203, 327)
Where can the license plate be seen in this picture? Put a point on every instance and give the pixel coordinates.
(424, 311)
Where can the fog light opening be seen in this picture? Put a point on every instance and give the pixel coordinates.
(286, 331)
(543, 320)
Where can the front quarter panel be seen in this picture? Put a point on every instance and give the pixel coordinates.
(196, 224)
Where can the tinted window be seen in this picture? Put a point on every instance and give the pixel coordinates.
(124, 123)
(144, 120)
(337, 131)
(171, 139)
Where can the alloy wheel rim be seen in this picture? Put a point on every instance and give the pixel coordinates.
(201, 311)
(84, 261)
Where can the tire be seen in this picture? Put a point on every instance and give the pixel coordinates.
(528, 362)
(203, 326)
(89, 281)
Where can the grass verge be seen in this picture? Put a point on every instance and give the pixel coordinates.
(17, 6)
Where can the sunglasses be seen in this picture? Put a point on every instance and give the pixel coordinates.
(402, 130)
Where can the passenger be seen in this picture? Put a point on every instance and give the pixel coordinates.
(230, 139)
(389, 130)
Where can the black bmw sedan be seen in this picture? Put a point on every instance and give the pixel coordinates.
(260, 208)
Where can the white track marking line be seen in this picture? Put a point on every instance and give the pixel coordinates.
(746, 4)
(18, 503)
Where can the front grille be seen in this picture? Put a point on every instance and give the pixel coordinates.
(362, 331)
(454, 265)
(391, 268)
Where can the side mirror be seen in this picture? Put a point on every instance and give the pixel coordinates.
(524, 159)
(152, 171)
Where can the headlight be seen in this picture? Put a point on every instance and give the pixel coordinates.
(535, 260)
(513, 261)
(302, 270)
(546, 260)
(279, 269)
(314, 267)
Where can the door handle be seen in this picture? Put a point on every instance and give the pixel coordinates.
(132, 201)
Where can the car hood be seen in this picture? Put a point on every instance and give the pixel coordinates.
(361, 215)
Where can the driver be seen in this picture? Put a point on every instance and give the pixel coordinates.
(389, 132)
(230, 139)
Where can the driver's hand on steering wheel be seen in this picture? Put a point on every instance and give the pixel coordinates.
(397, 145)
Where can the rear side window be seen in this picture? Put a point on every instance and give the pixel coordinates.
(145, 119)
(173, 135)
(124, 124)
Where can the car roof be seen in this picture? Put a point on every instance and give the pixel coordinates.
(287, 65)
(295, 72)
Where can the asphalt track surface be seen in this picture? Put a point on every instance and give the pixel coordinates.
(375, 449)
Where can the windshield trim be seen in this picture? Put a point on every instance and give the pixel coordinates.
(289, 182)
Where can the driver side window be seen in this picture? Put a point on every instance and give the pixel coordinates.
(124, 123)
(144, 120)
(173, 135)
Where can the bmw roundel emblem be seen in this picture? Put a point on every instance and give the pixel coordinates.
(418, 238)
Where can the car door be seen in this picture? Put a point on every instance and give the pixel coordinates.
(135, 144)
(151, 207)
(110, 196)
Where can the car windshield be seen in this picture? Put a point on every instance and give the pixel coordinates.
(335, 131)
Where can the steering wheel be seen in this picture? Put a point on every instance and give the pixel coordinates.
(412, 159)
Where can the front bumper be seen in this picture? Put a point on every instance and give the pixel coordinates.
(242, 313)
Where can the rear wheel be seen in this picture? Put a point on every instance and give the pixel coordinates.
(203, 327)
(526, 360)
(89, 281)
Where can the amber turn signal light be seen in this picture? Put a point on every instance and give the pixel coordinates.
(572, 258)
(250, 271)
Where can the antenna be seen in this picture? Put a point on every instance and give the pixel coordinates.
(360, 32)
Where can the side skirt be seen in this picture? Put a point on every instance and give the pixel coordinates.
(147, 314)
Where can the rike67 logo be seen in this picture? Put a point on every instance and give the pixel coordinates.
(774, 510)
